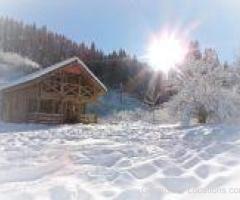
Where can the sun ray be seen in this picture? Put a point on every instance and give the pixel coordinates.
(166, 51)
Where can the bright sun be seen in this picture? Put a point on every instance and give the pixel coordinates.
(166, 51)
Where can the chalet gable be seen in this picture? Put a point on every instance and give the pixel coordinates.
(73, 65)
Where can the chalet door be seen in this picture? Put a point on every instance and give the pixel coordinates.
(70, 112)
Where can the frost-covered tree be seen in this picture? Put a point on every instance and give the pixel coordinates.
(205, 91)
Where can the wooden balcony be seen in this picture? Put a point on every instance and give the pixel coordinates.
(54, 89)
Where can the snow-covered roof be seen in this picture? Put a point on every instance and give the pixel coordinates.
(45, 71)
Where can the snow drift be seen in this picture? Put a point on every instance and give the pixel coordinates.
(118, 161)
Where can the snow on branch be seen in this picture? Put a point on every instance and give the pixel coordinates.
(205, 92)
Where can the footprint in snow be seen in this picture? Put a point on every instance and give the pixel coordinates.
(143, 171)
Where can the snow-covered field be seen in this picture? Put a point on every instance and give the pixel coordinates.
(119, 161)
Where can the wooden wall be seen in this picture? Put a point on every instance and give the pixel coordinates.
(16, 103)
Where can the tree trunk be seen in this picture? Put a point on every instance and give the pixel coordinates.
(202, 116)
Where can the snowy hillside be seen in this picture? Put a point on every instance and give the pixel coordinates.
(115, 101)
(125, 161)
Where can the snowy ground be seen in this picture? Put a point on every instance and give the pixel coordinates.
(119, 161)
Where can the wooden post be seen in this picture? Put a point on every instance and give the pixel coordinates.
(62, 95)
(3, 108)
(39, 98)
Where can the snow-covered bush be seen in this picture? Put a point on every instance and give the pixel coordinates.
(205, 92)
(143, 115)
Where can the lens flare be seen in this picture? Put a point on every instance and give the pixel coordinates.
(166, 51)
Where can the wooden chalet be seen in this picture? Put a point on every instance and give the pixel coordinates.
(57, 94)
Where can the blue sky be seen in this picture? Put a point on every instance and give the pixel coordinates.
(114, 24)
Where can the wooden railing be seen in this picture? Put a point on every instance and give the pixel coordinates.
(54, 88)
(44, 118)
(87, 118)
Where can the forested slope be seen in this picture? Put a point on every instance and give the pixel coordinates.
(46, 48)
